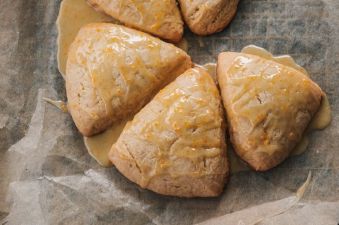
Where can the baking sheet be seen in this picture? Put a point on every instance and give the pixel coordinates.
(47, 177)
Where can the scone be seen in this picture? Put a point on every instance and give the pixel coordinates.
(112, 71)
(176, 144)
(268, 106)
(160, 18)
(208, 17)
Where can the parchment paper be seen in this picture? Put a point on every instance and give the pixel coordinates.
(47, 177)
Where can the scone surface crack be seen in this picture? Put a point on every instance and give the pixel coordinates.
(112, 71)
(160, 18)
(268, 105)
(208, 17)
(175, 145)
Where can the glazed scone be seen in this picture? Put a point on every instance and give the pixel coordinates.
(160, 18)
(268, 107)
(208, 17)
(176, 144)
(112, 71)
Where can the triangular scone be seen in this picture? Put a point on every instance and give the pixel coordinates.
(112, 71)
(208, 17)
(160, 18)
(176, 145)
(268, 106)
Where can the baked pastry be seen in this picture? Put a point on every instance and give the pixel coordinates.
(112, 71)
(208, 17)
(176, 144)
(268, 106)
(160, 18)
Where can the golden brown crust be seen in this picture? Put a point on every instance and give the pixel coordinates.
(176, 144)
(268, 107)
(112, 71)
(182, 186)
(208, 17)
(160, 18)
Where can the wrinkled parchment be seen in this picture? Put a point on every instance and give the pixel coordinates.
(47, 177)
